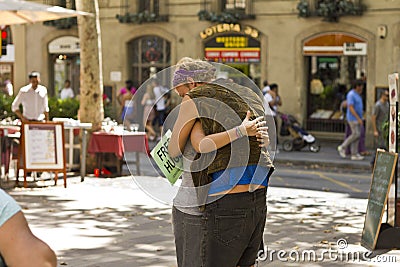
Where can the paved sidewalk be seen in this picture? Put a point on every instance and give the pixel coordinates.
(111, 222)
(328, 156)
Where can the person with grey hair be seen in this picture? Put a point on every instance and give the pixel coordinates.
(34, 100)
(229, 186)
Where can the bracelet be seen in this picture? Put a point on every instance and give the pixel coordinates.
(239, 133)
(243, 131)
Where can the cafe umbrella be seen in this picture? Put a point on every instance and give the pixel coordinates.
(23, 12)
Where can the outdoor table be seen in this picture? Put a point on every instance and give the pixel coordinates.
(7, 134)
(71, 127)
(119, 144)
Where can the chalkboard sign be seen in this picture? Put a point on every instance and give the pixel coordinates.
(382, 177)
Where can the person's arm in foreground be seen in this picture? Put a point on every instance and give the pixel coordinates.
(19, 247)
(183, 126)
(205, 144)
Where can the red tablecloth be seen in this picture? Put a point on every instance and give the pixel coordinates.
(102, 142)
(7, 133)
(8, 129)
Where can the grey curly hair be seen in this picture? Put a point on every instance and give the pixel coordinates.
(198, 70)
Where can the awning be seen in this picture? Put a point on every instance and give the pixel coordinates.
(335, 43)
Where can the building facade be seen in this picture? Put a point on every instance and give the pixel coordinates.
(288, 42)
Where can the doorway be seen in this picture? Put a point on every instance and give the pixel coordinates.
(65, 67)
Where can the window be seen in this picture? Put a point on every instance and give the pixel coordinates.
(143, 11)
(63, 3)
(319, 2)
(151, 6)
(235, 5)
(148, 52)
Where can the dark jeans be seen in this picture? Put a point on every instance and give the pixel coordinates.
(188, 232)
(234, 229)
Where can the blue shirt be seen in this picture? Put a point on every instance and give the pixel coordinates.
(227, 179)
(354, 99)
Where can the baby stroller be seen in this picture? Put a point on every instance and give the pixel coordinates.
(299, 137)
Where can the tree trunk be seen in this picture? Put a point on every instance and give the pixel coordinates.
(91, 77)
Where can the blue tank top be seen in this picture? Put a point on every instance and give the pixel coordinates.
(226, 179)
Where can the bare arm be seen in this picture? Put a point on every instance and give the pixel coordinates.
(353, 111)
(373, 120)
(20, 116)
(19, 247)
(144, 99)
(278, 100)
(46, 116)
(183, 125)
(204, 144)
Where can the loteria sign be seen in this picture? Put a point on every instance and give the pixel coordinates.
(231, 43)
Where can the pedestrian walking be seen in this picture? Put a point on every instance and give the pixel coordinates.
(159, 95)
(149, 113)
(354, 117)
(380, 115)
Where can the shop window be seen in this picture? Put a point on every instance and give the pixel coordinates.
(330, 78)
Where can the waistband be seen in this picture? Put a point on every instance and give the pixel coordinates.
(239, 200)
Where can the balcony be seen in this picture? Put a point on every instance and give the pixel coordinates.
(62, 24)
(141, 17)
(330, 10)
(224, 17)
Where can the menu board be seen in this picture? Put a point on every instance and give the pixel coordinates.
(382, 177)
(43, 146)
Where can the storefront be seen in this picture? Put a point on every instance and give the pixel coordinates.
(64, 63)
(236, 45)
(333, 60)
(6, 62)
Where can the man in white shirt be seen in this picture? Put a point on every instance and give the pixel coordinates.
(271, 102)
(266, 87)
(67, 91)
(272, 99)
(34, 100)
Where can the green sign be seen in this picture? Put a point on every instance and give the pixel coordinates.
(385, 163)
(170, 167)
